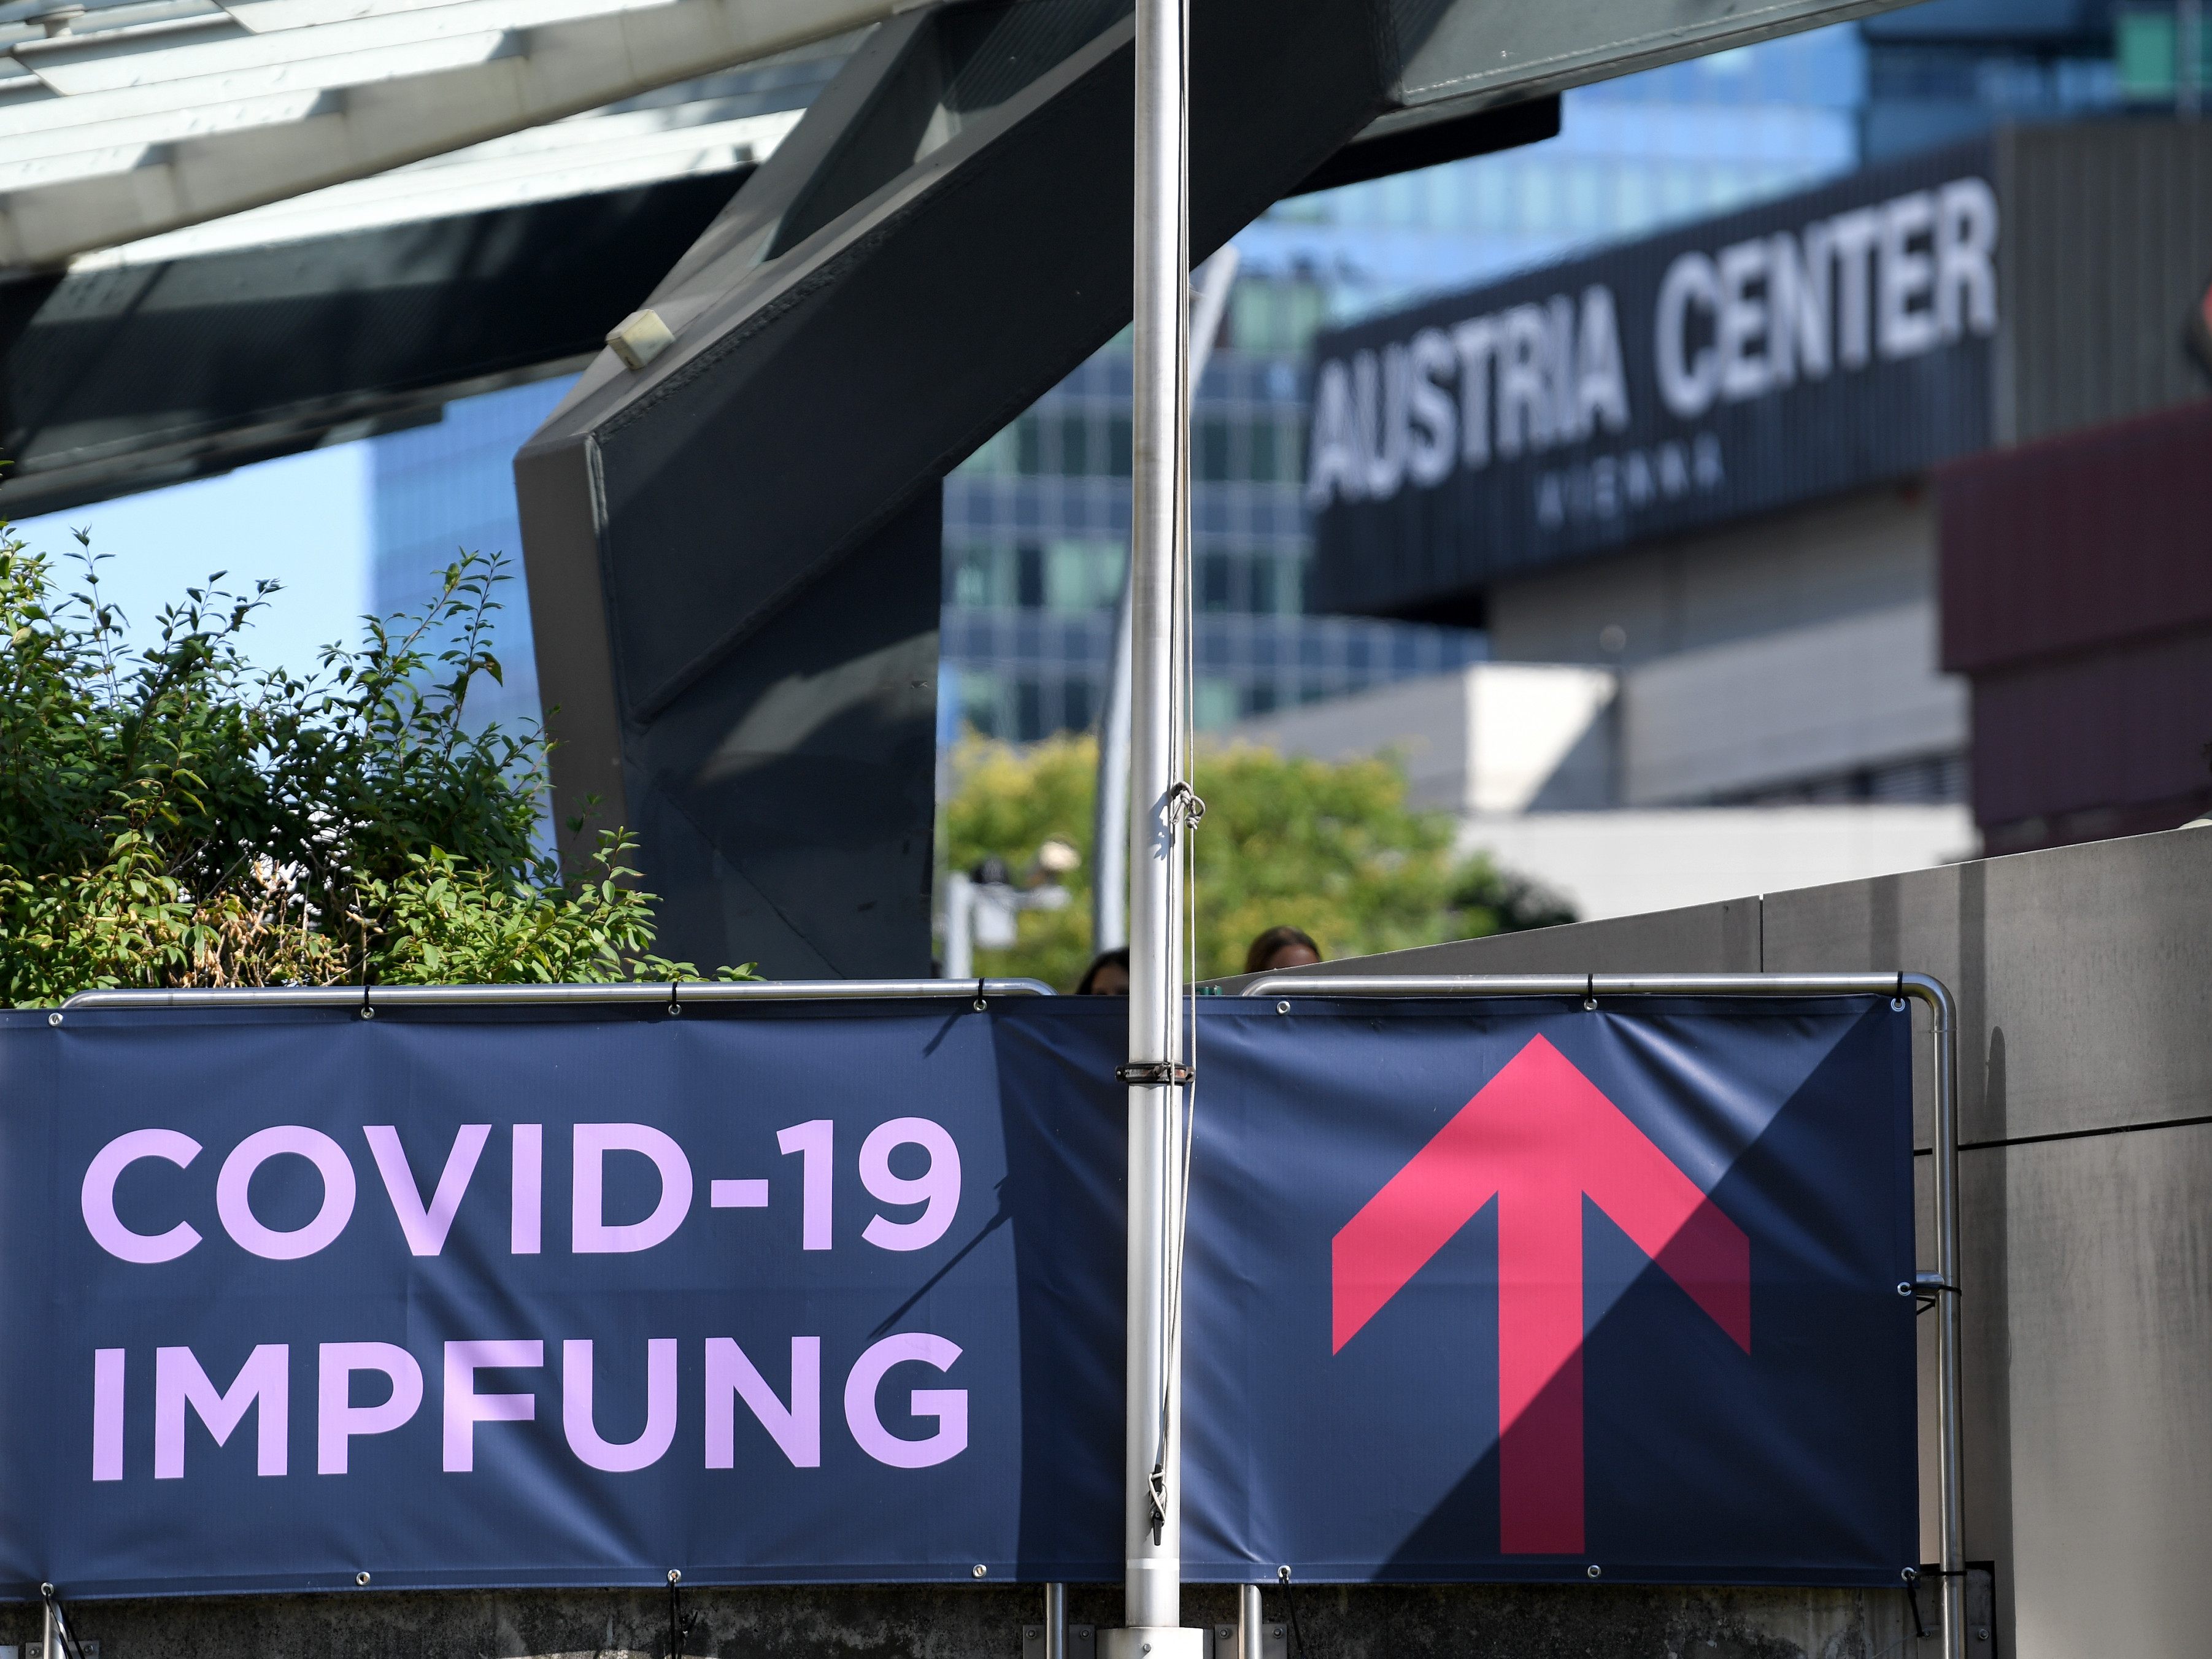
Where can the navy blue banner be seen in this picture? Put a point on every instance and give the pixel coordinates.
(834, 1293)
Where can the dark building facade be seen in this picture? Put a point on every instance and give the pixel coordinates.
(2077, 598)
(1705, 459)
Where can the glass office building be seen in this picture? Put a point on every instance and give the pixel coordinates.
(1036, 532)
(1945, 70)
(439, 491)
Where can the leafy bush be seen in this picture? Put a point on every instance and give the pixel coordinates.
(1331, 847)
(172, 816)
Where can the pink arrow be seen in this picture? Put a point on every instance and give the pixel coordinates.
(1537, 1138)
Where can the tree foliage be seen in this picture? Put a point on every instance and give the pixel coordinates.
(1331, 847)
(170, 817)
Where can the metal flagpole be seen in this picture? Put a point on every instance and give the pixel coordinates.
(1109, 822)
(1159, 608)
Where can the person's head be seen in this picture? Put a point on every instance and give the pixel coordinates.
(1279, 948)
(1107, 976)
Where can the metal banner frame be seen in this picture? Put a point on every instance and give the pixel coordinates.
(674, 993)
(1942, 1284)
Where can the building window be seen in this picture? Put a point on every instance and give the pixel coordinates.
(1075, 446)
(1213, 457)
(1217, 578)
(1083, 575)
(1266, 465)
(1077, 701)
(979, 702)
(1029, 445)
(968, 576)
(1029, 711)
(1028, 578)
(1216, 704)
(994, 458)
(1264, 597)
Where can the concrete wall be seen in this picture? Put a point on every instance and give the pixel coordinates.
(1855, 692)
(1627, 863)
(1492, 737)
(2084, 980)
(1867, 551)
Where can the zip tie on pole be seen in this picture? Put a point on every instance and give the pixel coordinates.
(1153, 1073)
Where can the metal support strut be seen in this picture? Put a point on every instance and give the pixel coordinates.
(1942, 1284)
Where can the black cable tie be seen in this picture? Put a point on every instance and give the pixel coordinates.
(674, 1007)
(1290, 1597)
(1154, 1071)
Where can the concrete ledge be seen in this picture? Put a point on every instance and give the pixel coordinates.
(1339, 1622)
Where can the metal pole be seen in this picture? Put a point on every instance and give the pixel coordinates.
(1055, 1621)
(1249, 1644)
(959, 927)
(1948, 1335)
(1109, 884)
(1159, 518)
(1944, 1023)
(1110, 811)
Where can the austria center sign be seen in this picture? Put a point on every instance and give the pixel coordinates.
(1827, 342)
(785, 1294)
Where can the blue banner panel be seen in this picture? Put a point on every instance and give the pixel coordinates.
(834, 1293)
(1521, 1291)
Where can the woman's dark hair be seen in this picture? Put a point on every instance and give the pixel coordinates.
(1264, 947)
(1119, 958)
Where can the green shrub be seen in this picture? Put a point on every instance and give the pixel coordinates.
(172, 816)
(1331, 847)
